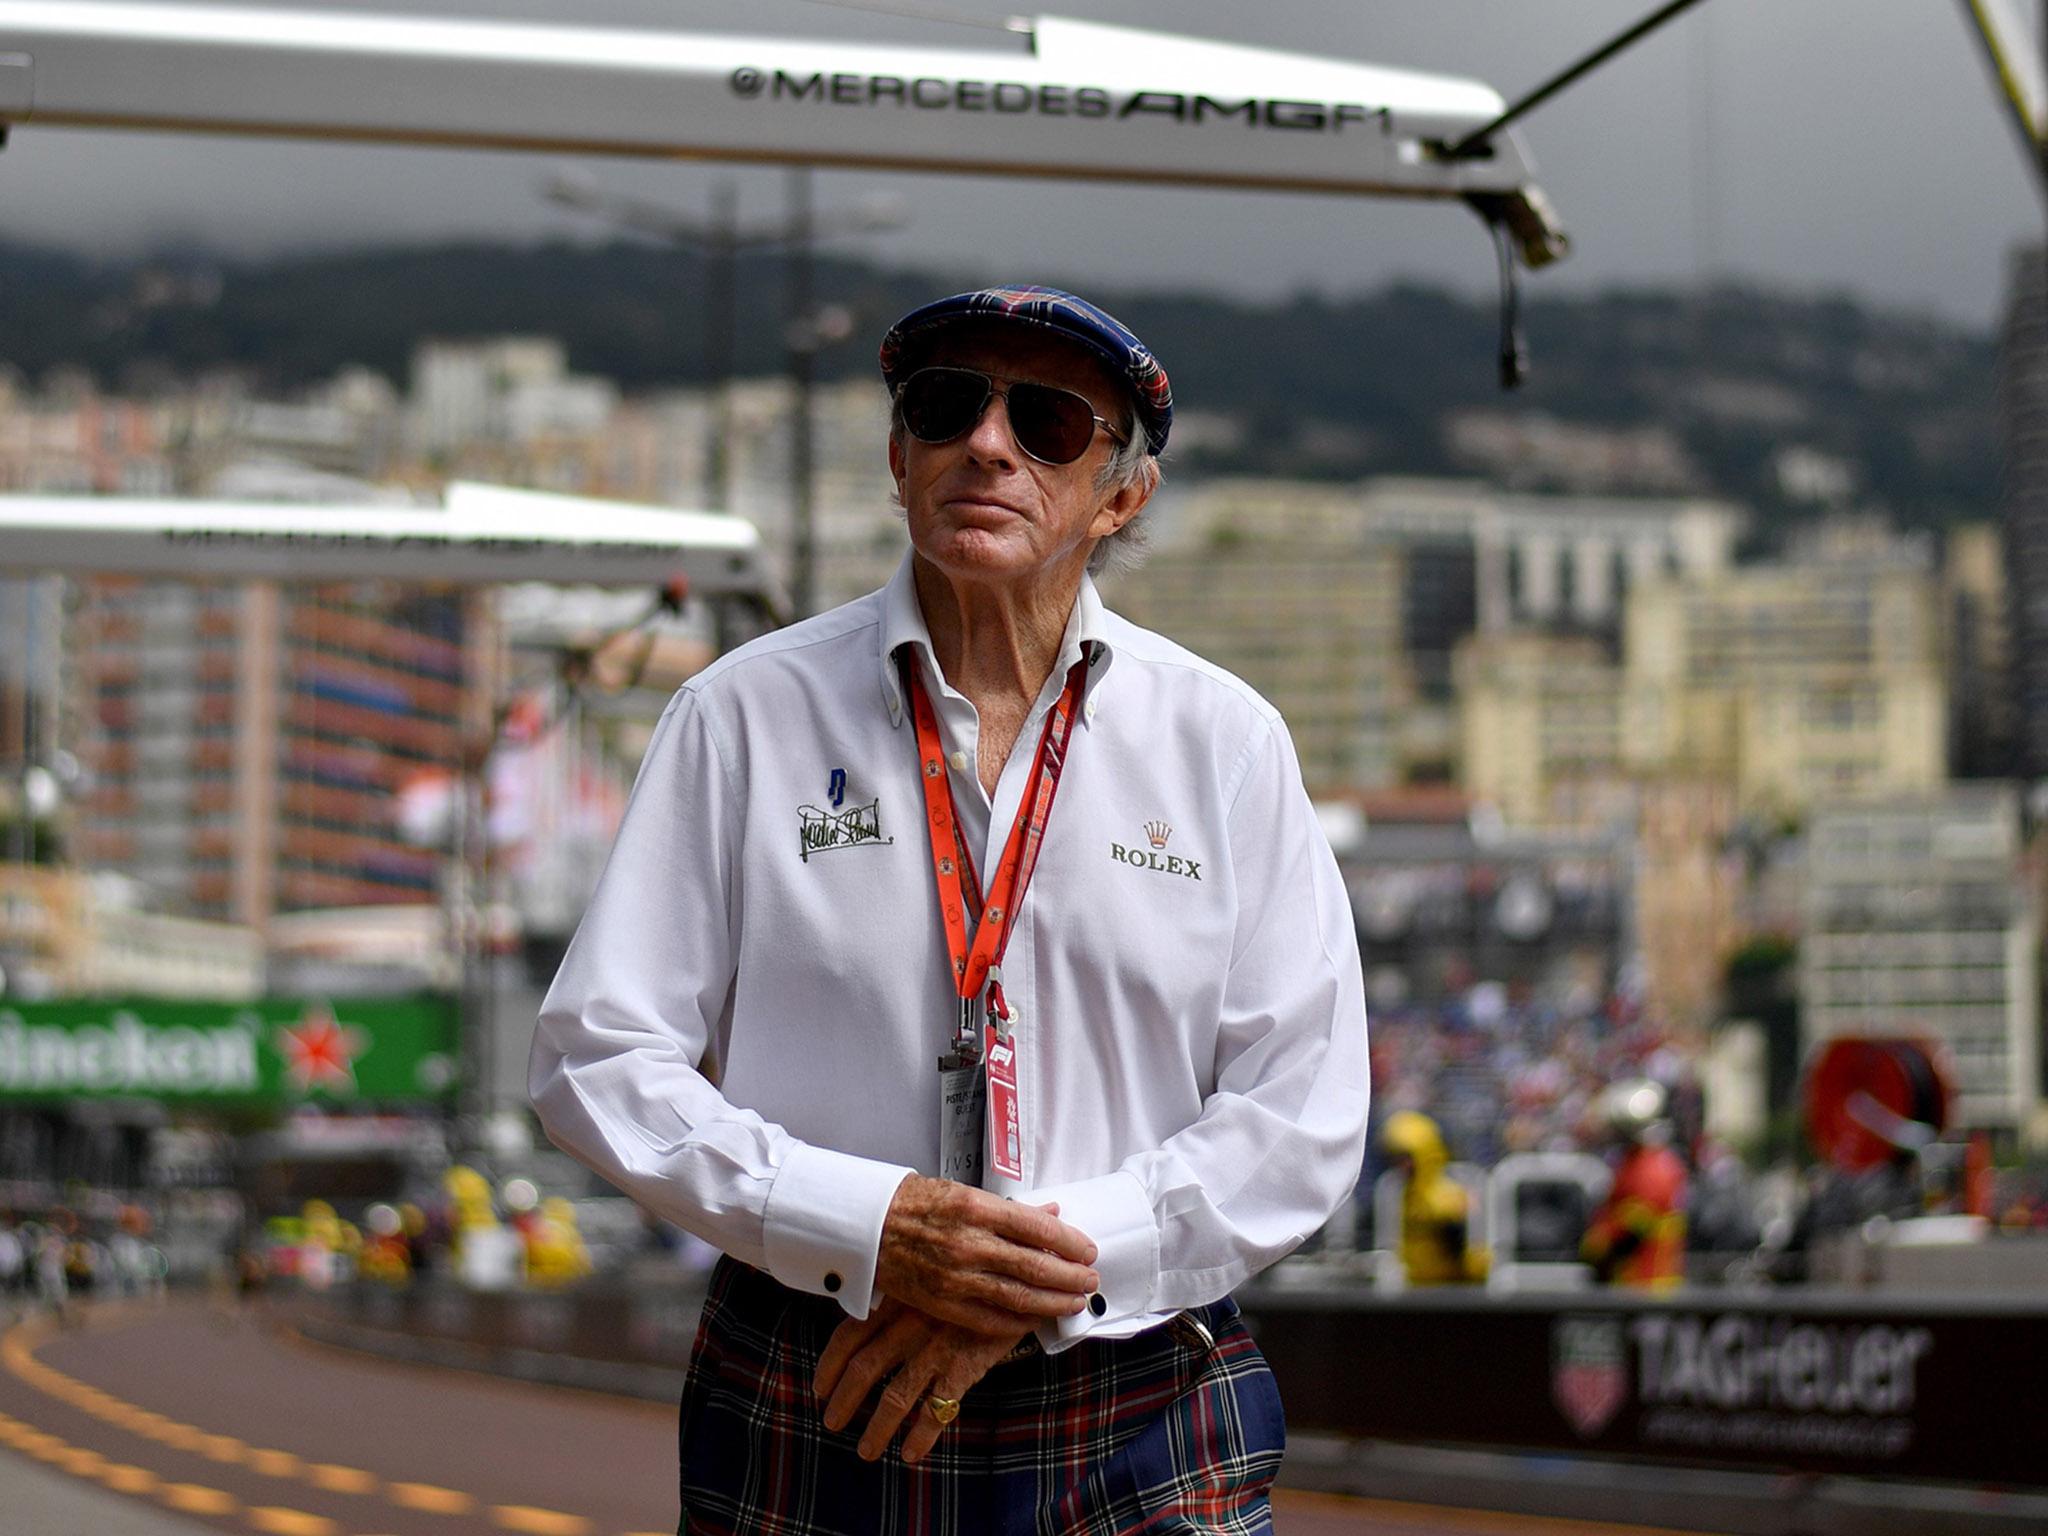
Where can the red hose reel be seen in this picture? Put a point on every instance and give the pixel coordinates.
(1870, 1100)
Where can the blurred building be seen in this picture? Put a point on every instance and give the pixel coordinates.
(363, 951)
(857, 526)
(67, 934)
(1690, 886)
(1384, 580)
(1920, 922)
(1799, 683)
(506, 389)
(1540, 719)
(244, 744)
(1279, 583)
(507, 410)
(1976, 611)
(2023, 407)
(67, 437)
(657, 450)
(1817, 679)
(349, 425)
(1479, 560)
(31, 655)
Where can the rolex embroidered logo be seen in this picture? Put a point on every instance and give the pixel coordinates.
(1157, 833)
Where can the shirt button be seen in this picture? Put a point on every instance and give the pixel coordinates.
(1097, 1305)
(832, 1281)
(959, 761)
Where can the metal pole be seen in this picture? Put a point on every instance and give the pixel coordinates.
(24, 826)
(468, 1078)
(1474, 141)
(486, 951)
(721, 258)
(2028, 752)
(803, 346)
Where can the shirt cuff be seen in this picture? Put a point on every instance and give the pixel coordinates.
(1116, 1212)
(822, 1228)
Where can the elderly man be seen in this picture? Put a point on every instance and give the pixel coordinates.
(1013, 1092)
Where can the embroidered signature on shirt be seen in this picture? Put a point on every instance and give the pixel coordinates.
(820, 830)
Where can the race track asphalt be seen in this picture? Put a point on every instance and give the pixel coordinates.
(193, 1416)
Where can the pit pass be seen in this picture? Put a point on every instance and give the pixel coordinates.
(1005, 1133)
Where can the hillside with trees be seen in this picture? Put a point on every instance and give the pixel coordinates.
(1716, 392)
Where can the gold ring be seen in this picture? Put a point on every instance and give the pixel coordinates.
(944, 1409)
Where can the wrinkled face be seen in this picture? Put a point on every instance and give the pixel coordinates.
(983, 510)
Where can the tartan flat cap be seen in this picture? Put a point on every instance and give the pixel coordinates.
(1051, 310)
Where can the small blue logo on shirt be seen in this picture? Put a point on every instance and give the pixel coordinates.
(820, 829)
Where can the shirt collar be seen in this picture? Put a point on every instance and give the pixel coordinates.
(903, 624)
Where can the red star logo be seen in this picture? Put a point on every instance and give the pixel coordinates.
(320, 1052)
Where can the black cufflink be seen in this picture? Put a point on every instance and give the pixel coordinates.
(832, 1281)
(1097, 1305)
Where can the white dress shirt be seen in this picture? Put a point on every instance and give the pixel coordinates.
(1190, 1012)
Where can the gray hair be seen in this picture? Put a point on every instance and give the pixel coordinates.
(1131, 462)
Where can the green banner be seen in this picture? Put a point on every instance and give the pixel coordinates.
(276, 1050)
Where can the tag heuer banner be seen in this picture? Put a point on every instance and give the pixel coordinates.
(1947, 1387)
(277, 1050)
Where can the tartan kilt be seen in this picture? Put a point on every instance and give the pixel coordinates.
(1153, 1434)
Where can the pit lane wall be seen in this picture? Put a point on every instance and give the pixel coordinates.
(1919, 1387)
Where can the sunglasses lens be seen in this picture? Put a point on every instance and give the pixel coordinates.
(1054, 425)
(941, 403)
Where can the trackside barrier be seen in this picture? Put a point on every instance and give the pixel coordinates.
(1941, 1388)
(1538, 1205)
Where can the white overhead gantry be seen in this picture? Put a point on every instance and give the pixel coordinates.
(2016, 64)
(482, 535)
(1072, 99)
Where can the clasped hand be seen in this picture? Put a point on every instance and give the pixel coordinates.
(965, 1275)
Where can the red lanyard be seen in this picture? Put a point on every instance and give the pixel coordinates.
(962, 903)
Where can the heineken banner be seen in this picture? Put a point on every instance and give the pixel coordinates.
(276, 1050)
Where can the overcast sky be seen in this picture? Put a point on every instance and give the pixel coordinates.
(1822, 145)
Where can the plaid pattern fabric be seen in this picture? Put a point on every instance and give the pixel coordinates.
(1150, 1435)
(1092, 326)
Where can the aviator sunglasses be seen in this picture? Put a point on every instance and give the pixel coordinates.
(1053, 425)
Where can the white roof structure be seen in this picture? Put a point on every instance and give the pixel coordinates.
(2017, 68)
(481, 535)
(1071, 99)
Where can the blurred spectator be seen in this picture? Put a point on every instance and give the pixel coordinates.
(386, 1256)
(1502, 1071)
(1436, 1210)
(53, 1289)
(1722, 1216)
(13, 1260)
(1637, 1236)
(426, 1237)
(555, 1254)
